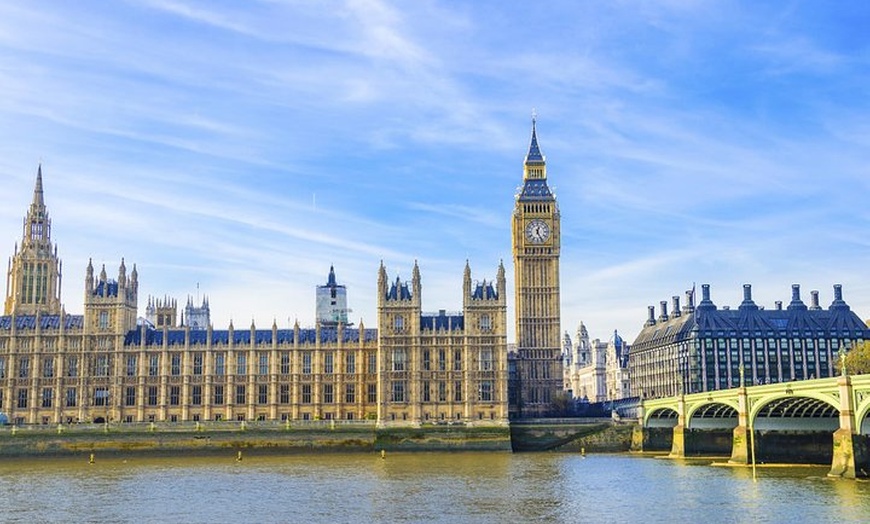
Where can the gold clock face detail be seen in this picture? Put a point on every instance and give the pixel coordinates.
(537, 231)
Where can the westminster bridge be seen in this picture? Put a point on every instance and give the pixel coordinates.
(813, 421)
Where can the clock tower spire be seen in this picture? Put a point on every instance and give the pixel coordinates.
(536, 250)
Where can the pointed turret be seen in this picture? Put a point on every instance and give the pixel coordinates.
(534, 156)
(416, 283)
(331, 280)
(38, 198)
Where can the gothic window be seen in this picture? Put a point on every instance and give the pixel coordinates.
(174, 394)
(442, 391)
(399, 323)
(328, 392)
(485, 323)
(104, 319)
(22, 398)
(285, 363)
(264, 363)
(427, 363)
(306, 362)
(457, 391)
(218, 393)
(442, 359)
(350, 393)
(196, 394)
(48, 368)
(350, 363)
(284, 394)
(131, 366)
(197, 363)
(2, 367)
(220, 364)
(398, 359)
(130, 396)
(23, 367)
(306, 393)
(241, 364)
(485, 391)
(47, 394)
(424, 386)
(153, 365)
(457, 360)
(71, 397)
(152, 395)
(373, 363)
(486, 359)
(398, 391)
(372, 393)
(101, 396)
(241, 397)
(328, 363)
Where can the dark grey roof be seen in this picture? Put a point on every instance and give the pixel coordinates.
(837, 321)
(154, 337)
(536, 189)
(23, 322)
(442, 321)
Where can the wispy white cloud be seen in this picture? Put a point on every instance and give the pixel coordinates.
(247, 147)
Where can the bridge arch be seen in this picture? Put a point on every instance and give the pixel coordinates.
(713, 413)
(862, 416)
(795, 427)
(805, 404)
(662, 417)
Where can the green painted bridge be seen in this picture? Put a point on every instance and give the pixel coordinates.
(804, 421)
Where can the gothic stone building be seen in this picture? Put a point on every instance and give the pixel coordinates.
(703, 348)
(104, 366)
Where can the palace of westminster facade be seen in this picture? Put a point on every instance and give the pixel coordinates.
(413, 368)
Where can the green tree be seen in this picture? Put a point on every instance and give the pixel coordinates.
(857, 360)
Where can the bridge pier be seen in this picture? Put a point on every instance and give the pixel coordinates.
(741, 440)
(851, 454)
(678, 444)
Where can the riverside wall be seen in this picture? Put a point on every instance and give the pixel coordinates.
(250, 438)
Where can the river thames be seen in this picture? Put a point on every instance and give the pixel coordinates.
(420, 487)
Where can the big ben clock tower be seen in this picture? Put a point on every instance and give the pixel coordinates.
(536, 246)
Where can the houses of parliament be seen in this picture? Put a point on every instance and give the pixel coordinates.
(412, 368)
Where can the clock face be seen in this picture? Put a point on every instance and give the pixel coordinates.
(537, 231)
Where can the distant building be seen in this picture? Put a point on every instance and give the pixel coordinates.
(596, 371)
(704, 348)
(197, 317)
(332, 302)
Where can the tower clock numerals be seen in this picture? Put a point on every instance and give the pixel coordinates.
(537, 231)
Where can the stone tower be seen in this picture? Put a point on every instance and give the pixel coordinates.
(33, 276)
(536, 246)
(111, 305)
(332, 302)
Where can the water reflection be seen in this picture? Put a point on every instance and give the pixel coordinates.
(431, 487)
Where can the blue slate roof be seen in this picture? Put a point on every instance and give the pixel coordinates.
(534, 155)
(24, 322)
(442, 321)
(484, 290)
(154, 337)
(747, 321)
(536, 189)
(110, 286)
(399, 291)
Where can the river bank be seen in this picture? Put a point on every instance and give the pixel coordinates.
(322, 437)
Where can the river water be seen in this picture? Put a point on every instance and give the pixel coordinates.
(420, 487)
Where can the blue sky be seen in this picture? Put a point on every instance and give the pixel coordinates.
(246, 146)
